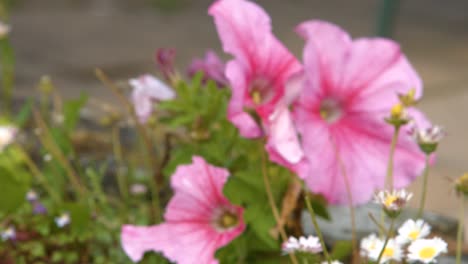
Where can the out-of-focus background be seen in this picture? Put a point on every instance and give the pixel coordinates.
(67, 39)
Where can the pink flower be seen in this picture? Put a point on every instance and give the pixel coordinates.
(349, 87)
(258, 75)
(165, 62)
(198, 219)
(146, 89)
(211, 66)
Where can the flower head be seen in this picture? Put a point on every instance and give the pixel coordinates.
(8, 234)
(308, 244)
(412, 230)
(392, 251)
(461, 184)
(7, 136)
(147, 88)
(428, 138)
(165, 62)
(138, 188)
(63, 220)
(393, 202)
(259, 76)
(369, 245)
(426, 250)
(349, 88)
(408, 99)
(4, 29)
(39, 208)
(32, 196)
(211, 66)
(198, 220)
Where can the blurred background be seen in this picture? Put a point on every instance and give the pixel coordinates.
(68, 39)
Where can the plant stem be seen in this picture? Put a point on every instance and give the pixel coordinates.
(38, 174)
(389, 234)
(316, 227)
(460, 230)
(350, 198)
(48, 141)
(271, 201)
(424, 188)
(389, 177)
(382, 229)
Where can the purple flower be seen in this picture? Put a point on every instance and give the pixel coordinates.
(165, 62)
(211, 66)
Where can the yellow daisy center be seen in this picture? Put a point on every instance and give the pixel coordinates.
(397, 111)
(427, 253)
(388, 252)
(389, 200)
(414, 234)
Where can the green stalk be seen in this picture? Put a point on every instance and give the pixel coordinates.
(317, 228)
(424, 188)
(389, 177)
(271, 200)
(461, 225)
(389, 234)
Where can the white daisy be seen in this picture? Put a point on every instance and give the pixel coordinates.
(63, 220)
(392, 202)
(369, 245)
(412, 230)
(310, 244)
(4, 29)
(392, 251)
(7, 135)
(426, 250)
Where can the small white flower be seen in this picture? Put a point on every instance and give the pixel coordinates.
(426, 250)
(138, 188)
(369, 245)
(47, 157)
(7, 135)
(63, 220)
(31, 196)
(4, 29)
(8, 234)
(412, 230)
(392, 251)
(147, 88)
(394, 200)
(430, 135)
(333, 262)
(310, 244)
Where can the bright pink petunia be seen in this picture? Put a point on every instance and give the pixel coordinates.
(349, 87)
(258, 75)
(198, 219)
(146, 89)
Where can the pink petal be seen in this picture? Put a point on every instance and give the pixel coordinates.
(283, 136)
(137, 240)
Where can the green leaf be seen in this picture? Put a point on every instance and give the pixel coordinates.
(14, 184)
(23, 116)
(342, 250)
(71, 111)
(319, 204)
(80, 216)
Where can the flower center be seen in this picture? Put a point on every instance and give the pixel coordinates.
(390, 200)
(414, 234)
(260, 91)
(227, 220)
(330, 110)
(427, 253)
(388, 252)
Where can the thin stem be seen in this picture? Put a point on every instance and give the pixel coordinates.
(149, 155)
(460, 230)
(424, 188)
(271, 201)
(382, 229)
(350, 197)
(49, 143)
(389, 176)
(316, 227)
(38, 174)
(389, 234)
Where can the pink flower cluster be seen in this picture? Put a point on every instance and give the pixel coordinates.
(327, 110)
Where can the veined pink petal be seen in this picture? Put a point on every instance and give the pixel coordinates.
(193, 228)
(349, 88)
(136, 240)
